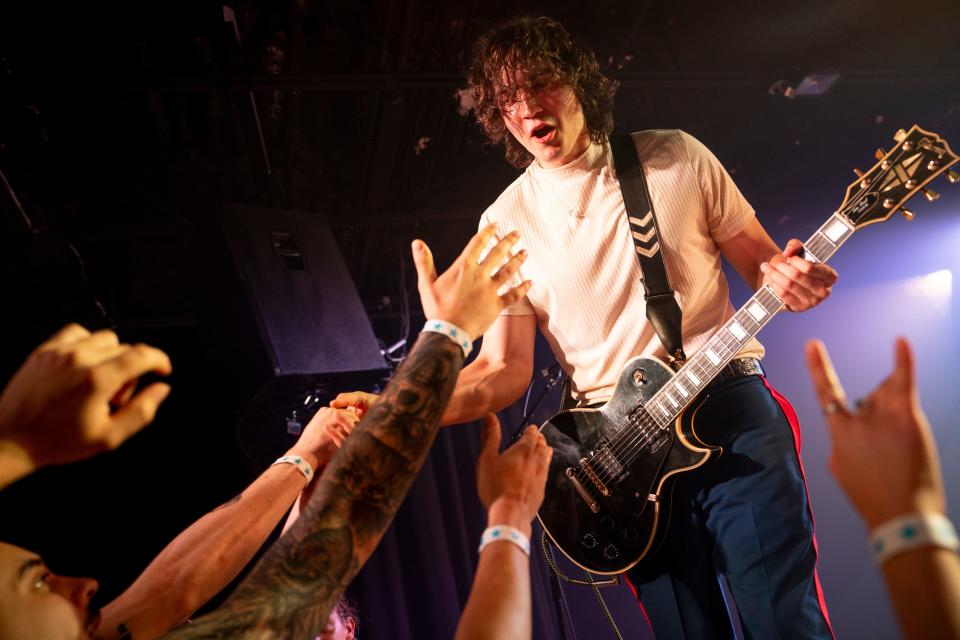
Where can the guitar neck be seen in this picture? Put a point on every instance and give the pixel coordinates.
(700, 369)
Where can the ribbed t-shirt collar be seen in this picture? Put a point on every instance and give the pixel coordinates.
(572, 181)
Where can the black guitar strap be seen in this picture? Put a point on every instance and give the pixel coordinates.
(663, 312)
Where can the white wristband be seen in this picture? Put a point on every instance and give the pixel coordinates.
(299, 463)
(453, 332)
(506, 533)
(910, 531)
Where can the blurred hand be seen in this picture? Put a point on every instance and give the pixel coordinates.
(801, 284)
(883, 453)
(359, 401)
(511, 484)
(466, 294)
(74, 396)
(323, 435)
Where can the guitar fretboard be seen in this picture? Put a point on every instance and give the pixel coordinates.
(664, 407)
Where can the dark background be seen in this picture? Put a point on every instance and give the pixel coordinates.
(123, 125)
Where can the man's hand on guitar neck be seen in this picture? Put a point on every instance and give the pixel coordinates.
(801, 284)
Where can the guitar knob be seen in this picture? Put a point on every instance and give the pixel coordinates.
(639, 376)
(953, 177)
(607, 522)
(907, 214)
(610, 552)
(900, 135)
(630, 534)
(589, 541)
(931, 196)
(858, 172)
(879, 153)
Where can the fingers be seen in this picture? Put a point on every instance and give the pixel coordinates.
(490, 436)
(478, 243)
(131, 364)
(66, 336)
(495, 257)
(826, 385)
(136, 414)
(903, 370)
(105, 341)
(515, 295)
(423, 261)
(510, 267)
(359, 401)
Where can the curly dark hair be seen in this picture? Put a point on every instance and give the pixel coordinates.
(530, 54)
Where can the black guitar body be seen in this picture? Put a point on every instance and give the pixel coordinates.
(609, 522)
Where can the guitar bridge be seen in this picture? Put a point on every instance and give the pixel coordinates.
(594, 478)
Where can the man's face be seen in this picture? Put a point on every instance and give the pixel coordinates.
(337, 628)
(36, 604)
(549, 124)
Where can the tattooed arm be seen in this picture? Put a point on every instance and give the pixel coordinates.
(205, 557)
(292, 589)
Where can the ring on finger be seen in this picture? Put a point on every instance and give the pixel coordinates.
(831, 407)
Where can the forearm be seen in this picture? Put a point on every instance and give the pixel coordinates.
(924, 585)
(203, 559)
(482, 387)
(295, 585)
(499, 605)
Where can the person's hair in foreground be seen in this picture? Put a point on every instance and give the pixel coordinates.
(527, 55)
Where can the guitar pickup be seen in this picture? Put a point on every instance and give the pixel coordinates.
(656, 444)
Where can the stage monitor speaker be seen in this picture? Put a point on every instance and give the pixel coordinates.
(299, 324)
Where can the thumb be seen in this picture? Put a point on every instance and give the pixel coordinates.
(794, 247)
(490, 442)
(423, 261)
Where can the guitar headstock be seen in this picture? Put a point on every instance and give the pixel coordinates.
(918, 157)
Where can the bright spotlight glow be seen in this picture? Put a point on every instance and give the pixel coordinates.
(935, 287)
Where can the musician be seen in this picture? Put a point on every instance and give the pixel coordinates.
(745, 515)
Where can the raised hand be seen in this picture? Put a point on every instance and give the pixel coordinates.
(801, 284)
(467, 294)
(883, 452)
(511, 484)
(74, 396)
(323, 435)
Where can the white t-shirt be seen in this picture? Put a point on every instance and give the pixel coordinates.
(587, 293)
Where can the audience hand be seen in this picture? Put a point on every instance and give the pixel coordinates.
(511, 484)
(467, 294)
(359, 401)
(883, 451)
(801, 284)
(323, 435)
(74, 396)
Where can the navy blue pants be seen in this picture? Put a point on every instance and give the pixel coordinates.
(744, 515)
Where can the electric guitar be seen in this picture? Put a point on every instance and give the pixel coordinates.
(607, 499)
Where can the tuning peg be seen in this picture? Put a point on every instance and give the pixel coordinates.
(930, 195)
(900, 135)
(879, 153)
(953, 177)
(858, 172)
(907, 214)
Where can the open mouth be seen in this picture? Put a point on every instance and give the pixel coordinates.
(543, 133)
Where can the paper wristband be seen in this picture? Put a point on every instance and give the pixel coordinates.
(453, 332)
(911, 531)
(507, 534)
